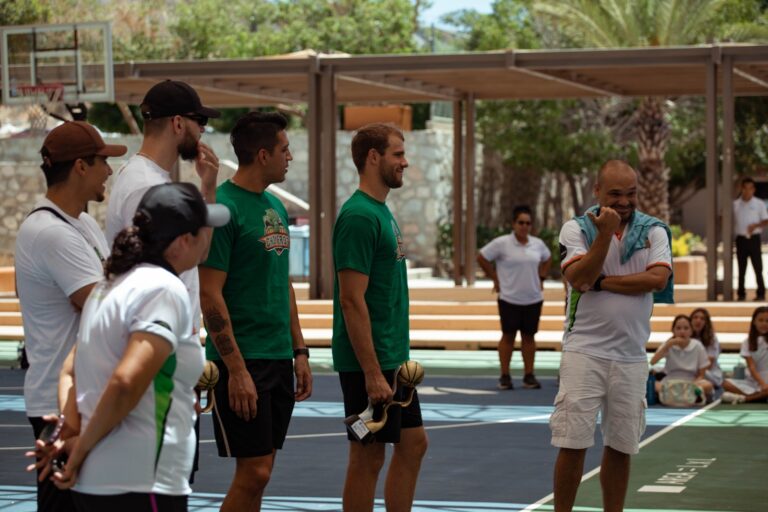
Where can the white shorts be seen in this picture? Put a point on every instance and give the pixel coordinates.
(589, 385)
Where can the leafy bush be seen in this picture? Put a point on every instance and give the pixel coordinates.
(684, 242)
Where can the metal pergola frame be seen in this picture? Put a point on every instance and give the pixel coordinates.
(325, 81)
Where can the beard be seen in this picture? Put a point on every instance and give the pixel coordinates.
(390, 177)
(187, 148)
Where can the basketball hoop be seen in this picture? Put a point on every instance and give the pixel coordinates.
(46, 93)
(44, 99)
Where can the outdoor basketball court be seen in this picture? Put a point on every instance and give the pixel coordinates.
(489, 449)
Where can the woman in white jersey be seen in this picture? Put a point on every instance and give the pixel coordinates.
(521, 264)
(754, 350)
(703, 331)
(686, 358)
(137, 362)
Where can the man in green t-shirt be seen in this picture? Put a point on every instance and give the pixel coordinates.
(370, 321)
(249, 308)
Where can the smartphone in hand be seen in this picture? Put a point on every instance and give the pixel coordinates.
(51, 431)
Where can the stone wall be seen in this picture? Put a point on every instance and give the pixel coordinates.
(419, 206)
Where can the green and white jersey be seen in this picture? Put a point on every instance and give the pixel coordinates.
(610, 325)
(152, 449)
(253, 251)
(366, 239)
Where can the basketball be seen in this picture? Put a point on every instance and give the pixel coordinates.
(210, 376)
(411, 374)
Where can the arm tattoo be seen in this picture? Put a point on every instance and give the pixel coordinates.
(223, 344)
(214, 320)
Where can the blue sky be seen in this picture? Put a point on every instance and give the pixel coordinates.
(440, 7)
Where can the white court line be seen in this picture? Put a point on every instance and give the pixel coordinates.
(431, 427)
(11, 388)
(644, 443)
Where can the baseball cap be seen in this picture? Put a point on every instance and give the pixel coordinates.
(172, 209)
(172, 98)
(78, 139)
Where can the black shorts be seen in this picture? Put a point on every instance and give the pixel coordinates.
(236, 437)
(519, 318)
(356, 400)
(129, 502)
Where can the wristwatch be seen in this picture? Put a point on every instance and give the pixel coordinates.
(303, 351)
(598, 286)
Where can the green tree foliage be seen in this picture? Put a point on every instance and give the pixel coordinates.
(248, 28)
(23, 12)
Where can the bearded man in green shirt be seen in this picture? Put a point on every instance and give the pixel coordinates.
(370, 322)
(249, 308)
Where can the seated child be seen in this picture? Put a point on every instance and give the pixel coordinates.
(686, 358)
(754, 350)
(705, 333)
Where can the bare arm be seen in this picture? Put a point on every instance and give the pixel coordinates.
(489, 269)
(242, 390)
(301, 362)
(544, 267)
(144, 356)
(652, 280)
(79, 296)
(352, 287)
(67, 396)
(755, 373)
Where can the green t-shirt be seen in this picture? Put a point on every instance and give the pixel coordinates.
(366, 239)
(253, 250)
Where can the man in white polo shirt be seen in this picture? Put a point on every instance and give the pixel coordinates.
(58, 258)
(613, 259)
(749, 217)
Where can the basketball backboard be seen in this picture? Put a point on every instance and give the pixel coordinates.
(69, 62)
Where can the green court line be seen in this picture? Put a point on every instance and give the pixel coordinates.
(730, 438)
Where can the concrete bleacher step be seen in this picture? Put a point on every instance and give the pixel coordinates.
(491, 322)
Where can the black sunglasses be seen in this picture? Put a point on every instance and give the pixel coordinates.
(201, 120)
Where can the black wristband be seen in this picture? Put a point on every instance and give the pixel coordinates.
(304, 351)
(598, 286)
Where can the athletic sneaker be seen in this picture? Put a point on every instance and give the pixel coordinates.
(732, 398)
(530, 382)
(505, 382)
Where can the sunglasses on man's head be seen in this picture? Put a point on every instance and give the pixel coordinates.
(201, 120)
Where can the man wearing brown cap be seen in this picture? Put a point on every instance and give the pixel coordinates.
(59, 254)
(174, 119)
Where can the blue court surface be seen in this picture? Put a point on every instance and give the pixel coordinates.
(489, 450)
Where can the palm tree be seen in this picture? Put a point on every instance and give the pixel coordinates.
(632, 23)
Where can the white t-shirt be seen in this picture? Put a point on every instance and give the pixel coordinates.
(152, 449)
(748, 212)
(759, 357)
(604, 324)
(53, 260)
(517, 266)
(715, 373)
(685, 363)
(134, 178)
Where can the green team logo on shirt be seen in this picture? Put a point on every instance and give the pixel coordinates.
(400, 251)
(276, 237)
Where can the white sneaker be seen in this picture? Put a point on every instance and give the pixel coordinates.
(732, 398)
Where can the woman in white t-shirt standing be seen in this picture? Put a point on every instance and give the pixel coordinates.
(521, 263)
(137, 362)
(754, 350)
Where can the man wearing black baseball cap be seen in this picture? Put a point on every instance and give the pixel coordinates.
(174, 119)
(58, 258)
